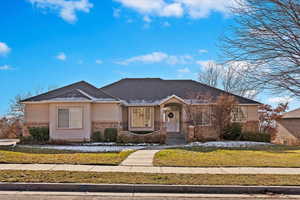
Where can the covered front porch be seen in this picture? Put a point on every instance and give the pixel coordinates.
(167, 118)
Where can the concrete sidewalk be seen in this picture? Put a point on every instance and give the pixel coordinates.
(140, 158)
(144, 169)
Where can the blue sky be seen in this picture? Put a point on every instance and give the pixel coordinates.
(57, 42)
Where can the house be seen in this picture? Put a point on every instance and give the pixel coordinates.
(132, 105)
(288, 129)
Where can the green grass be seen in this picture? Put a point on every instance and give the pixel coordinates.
(22, 155)
(145, 178)
(264, 156)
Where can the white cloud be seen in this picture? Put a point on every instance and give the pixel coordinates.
(61, 56)
(206, 63)
(116, 12)
(202, 51)
(202, 8)
(147, 19)
(99, 62)
(157, 57)
(284, 99)
(178, 8)
(4, 49)
(184, 70)
(5, 67)
(154, 7)
(166, 24)
(67, 9)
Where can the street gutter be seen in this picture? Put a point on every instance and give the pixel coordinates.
(149, 188)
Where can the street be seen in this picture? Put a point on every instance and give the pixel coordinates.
(8, 195)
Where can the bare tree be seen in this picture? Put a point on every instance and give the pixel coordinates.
(222, 113)
(234, 81)
(266, 36)
(229, 77)
(210, 74)
(203, 109)
(269, 115)
(17, 109)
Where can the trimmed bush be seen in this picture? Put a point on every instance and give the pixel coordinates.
(39, 134)
(256, 137)
(233, 132)
(110, 135)
(97, 137)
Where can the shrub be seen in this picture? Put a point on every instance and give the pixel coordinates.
(110, 135)
(233, 132)
(39, 134)
(97, 137)
(256, 137)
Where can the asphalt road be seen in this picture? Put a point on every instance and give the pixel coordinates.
(131, 196)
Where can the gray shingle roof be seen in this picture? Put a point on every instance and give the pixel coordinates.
(79, 90)
(133, 90)
(153, 89)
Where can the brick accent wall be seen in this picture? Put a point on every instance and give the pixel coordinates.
(33, 124)
(154, 137)
(101, 126)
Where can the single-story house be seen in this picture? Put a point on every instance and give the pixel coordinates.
(288, 129)
(131, 105)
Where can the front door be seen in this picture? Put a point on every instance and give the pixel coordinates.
(172, 120)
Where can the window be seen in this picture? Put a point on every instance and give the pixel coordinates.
(202, 116)
(70, 117)
(141, 117)
(238, 114)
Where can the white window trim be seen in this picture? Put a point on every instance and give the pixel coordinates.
(210, 117)
(69, 107)
(141, 128)
(245, 115)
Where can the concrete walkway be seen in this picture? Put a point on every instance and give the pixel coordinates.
(140, 158)
(8, 142)
(143, 169)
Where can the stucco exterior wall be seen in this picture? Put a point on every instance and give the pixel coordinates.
(37, 113)
(284, 136)
(106, 112)
(252, 112)
(75, 135)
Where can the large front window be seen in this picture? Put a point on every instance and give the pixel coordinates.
(202, 115)
(141, 117)
(70, 118)
(238, 114)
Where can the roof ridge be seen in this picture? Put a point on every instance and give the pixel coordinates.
(46, 93)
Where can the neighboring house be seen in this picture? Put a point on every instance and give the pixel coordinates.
(74, 112)
(288, 129)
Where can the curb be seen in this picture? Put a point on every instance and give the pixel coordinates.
(144, 188)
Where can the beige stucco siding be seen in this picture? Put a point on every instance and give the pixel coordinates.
(75, 135)
(106, 112)
(284, 136)
(252, 112)
(37, 113)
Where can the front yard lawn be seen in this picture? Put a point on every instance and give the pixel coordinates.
(145, 178)
(20, 155)
(263, 156)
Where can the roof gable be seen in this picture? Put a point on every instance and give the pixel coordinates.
(76, 91)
